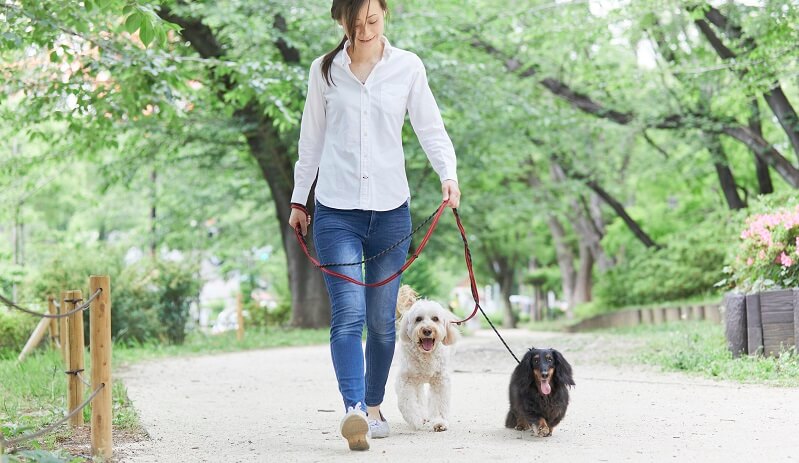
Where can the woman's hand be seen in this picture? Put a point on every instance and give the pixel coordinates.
(300, 219)
(451, 192)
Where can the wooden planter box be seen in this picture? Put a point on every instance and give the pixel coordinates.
(765, 323)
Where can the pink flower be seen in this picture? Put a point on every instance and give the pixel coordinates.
(750, 261)
(785, 260)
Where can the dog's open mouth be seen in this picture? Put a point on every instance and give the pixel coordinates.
(544, 386)
(427, 344)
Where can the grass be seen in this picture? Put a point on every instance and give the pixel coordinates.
(700, 348)
(33, 396)
(33, 393)
(198, 343)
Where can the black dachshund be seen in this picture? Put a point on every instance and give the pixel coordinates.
(539, 391)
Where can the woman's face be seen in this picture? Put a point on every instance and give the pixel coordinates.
(368, 25)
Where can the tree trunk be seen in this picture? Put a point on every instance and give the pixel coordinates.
(310, 305)
(764, 184)
(504, 271)
(309, 301)
(726, 178)
(597, 221)
(565, 258)
(583, 278)
(153, 214)
(509, 319)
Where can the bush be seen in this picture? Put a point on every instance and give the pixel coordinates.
(768, 252)
(150, 300)
(15, 329)
(688, 266)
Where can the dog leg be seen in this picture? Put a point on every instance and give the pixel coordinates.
(409, 401)
(439, 403)
(543, 428)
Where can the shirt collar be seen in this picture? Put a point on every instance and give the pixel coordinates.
(343, 58)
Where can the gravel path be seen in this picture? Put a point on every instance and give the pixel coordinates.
(282, 405)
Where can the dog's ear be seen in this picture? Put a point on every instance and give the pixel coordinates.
(405, 299)
(404, 326)
(563, 371)
(452, 332)
(525, 367)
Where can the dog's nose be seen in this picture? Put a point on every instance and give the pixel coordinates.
(545, 374)
(427, 331)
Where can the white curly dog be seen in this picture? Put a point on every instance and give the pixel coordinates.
(427, 335)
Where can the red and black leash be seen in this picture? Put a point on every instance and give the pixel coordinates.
(435, 218)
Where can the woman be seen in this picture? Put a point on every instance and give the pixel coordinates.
(351, 134)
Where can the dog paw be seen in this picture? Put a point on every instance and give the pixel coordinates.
(522, 427)
(440, 426)
(419, 424)
(544, 430)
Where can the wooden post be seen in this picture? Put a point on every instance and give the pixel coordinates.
(75, 389)
(63, 333)
(100, 345)
(53, 322)
(35, 339)
(239, 318)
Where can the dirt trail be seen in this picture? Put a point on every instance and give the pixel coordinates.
(282, 405)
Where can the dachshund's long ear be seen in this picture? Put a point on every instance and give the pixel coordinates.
(525, 367)
(563, 371)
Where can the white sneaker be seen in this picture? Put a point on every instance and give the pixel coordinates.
(355, 428)
(378, 429)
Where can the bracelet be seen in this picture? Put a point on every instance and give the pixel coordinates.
(300, 207)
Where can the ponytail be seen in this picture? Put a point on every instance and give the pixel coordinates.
(327, 61)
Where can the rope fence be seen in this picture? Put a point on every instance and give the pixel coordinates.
(19, 440)
(83, 307)
(70, 341)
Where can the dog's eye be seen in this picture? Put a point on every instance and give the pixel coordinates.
(435, 319)
(549, 359)
(418, 319)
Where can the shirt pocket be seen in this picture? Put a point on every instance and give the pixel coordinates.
(394, 99)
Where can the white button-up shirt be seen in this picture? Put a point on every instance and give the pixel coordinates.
(351, 132)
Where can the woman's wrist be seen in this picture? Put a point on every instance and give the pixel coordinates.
(300, 207)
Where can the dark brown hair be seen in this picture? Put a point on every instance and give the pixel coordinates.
(348, 10)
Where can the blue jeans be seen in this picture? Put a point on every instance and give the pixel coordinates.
(344, 236)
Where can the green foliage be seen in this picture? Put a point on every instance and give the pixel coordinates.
(264, 316)
(109, 92)
(149, 299)
(15, 329)
(421, 277)
(688, 266)
(548, 278)
(152, 301)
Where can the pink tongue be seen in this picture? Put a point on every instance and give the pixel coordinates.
(545, 388)
(427, 344)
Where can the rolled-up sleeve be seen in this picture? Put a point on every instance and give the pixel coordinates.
(312, 136)
(429, 126)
